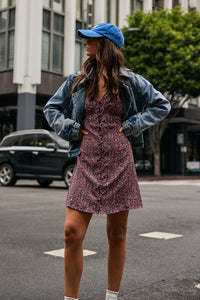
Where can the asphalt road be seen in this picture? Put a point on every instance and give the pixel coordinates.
(31, 223)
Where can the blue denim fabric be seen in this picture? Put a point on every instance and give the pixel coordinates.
(143, 107)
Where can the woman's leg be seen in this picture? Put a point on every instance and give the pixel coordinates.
(75, 228)
(116, 232)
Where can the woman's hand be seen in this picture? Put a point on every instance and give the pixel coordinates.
(121, 129)
(81, 133)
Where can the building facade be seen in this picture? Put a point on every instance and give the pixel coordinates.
(39, 48)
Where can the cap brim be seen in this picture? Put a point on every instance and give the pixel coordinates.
(86, 34)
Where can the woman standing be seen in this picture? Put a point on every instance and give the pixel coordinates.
(107, 107)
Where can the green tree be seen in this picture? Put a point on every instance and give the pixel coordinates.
(164, 47)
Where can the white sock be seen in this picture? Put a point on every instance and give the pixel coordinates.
(110, 295)
(69, 298)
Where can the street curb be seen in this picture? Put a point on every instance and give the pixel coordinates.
(154, 178)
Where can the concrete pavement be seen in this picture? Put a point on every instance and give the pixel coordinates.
(182, 287)
(31, 224)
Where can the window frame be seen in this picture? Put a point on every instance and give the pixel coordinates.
(84, 25)
(157, 5)
(7, 32)
(109, 12)
(51, 34)
(133, 5)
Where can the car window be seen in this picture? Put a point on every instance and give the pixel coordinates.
(11, 141)
(43, 140)
(28, 140)
(61, 142)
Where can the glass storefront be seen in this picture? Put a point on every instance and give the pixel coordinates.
(8, 114)
(144, 157)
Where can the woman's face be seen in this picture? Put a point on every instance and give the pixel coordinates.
(92, 46)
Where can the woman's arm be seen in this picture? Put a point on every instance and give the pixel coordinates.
(66, 128)
(155, 107)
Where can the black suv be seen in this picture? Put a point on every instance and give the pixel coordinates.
(35, 154)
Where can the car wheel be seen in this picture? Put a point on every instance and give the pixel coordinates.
(7, 175)
(44, 182)
(68, 174)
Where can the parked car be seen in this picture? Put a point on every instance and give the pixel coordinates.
(35, 154)
(143, 165)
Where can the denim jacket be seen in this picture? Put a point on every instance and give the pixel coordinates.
(143, 107)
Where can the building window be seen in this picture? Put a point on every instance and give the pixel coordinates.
(131, 6)
(136, 5)
(158, 4)
(53, 35)
(194, 101)
(139, 5)
(82, 18)
(112, 11)
(7, 34)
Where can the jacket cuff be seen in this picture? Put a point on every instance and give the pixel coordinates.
(70, 131)
(131, 127)
(74, 133)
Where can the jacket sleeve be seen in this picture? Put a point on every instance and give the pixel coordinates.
(154, 107)
(66, 128)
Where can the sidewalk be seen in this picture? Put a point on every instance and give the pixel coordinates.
(178, 177)
(183, 287)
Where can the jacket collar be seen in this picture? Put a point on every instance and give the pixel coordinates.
(124, 72)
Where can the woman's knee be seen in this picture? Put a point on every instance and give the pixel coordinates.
(116, 235)
(72, 236)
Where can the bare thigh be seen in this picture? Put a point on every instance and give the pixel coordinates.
(117, 225)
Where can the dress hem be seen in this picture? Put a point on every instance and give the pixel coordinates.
(95, 212)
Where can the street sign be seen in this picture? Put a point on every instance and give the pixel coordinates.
(180, 138)
(193, 165)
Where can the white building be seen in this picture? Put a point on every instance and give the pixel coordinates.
(39, 48)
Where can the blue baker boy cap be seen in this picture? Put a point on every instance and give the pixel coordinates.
(108, 30)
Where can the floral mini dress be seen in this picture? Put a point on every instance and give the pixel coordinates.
(104, 179)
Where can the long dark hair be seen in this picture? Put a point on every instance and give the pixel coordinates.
(107, 63)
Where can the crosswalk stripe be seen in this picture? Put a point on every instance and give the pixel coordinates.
(60, 252)
(197, 286)
(160, 235)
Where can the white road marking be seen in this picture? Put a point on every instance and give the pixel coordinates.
(60, 252)
(172, 182)
(197, 286)
(161, 235)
